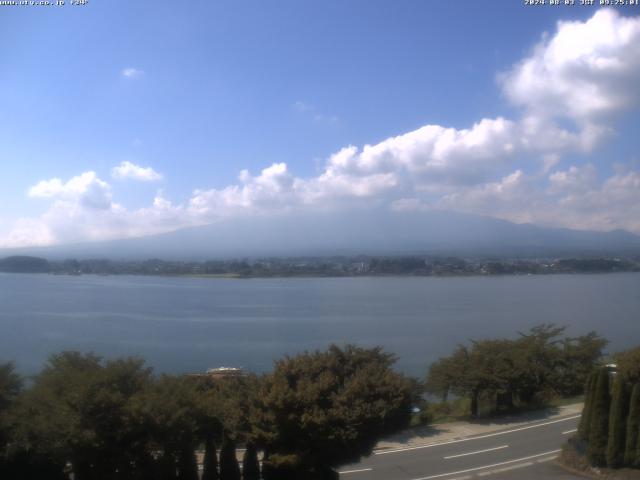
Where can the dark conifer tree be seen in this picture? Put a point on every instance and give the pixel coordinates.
(210, 467)
(229, 468)
(166, 467)
(268, 472)
(250, 464)
(187, 465)
(599, 425)
(618, 423)
(632, 450)
(585, 419)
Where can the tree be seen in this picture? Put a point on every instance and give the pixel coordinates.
(541, 357)
(168, 413)
(10, 385)
(618, 423)
(229, 468)
(250, 464)
(628, 363)
(585, 419)
(458, 374)
(578, 358)
(632, 447)
(599, 427)
(323, 409)
(77, 411)
(187, 464)
(269, 472)
(210, 466)
(537, 364)
(441, 377)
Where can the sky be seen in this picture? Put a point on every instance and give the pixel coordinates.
(126, 119)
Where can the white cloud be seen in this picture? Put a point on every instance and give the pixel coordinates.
(301, 106)
(85, 190)
(569, 89)
(131, 73)
(433, 153)
(311, 111)
(575, 180)
(574, 198)
(135, 172)
(586, 72)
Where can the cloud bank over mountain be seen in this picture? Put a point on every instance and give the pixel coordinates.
(569, 91)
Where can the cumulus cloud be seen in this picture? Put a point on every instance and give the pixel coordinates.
(569, 90)
(574, 198)
(433, 153)
(85, 190)
(135, 172)
(585, 73)
(131, 73)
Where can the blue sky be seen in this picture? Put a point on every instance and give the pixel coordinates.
(190, 94)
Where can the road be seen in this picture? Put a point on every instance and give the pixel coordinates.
(528, 450)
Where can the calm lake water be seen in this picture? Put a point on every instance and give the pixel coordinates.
(189, 324)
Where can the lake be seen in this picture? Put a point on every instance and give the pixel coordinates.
(190, 324)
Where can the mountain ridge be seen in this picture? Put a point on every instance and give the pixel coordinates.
(369, 233)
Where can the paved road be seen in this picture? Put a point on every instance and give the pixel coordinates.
(528, 450)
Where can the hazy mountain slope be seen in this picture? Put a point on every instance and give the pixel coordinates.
(367, 233)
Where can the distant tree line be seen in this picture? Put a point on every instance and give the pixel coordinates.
(541, 363)
(103, 420)
(609, 430)
(322, 266)
(24, 264)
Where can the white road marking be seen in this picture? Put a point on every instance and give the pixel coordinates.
(488, 466)
(386, 452)
(570, 431)
(548, 459)
(478, 451)
(355, 471)
(505, 469)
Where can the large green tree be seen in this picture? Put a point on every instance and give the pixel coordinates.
(628, 363)
(77, 411)
(461, 375)
(168, 411)
(578, 357)
(538, 364)
(10, 386)
(323, 409)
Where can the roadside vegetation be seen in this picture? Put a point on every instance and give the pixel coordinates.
(540, 368)
(114, 419)
(609, 431)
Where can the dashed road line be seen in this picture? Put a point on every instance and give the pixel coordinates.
(548, 459)
(505, 469)
(476, 452)
(570, 431)
(475, 469)
(355, 471)
(418, 447)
